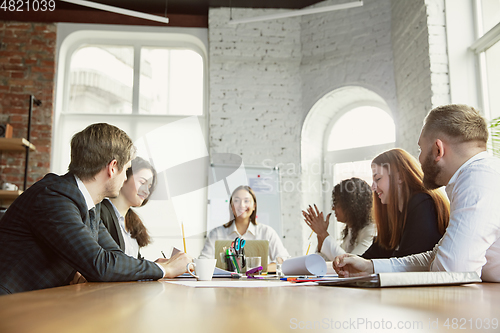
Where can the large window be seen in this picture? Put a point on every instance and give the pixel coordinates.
(101, 80)
(152, 85)
(487, 47)
(354, 140)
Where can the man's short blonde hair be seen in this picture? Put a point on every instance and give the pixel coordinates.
(96, 146)
(459, 122)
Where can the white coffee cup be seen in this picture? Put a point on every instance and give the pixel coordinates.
(204, 269)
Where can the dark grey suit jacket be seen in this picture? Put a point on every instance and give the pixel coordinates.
(110, 221)
(46, 236)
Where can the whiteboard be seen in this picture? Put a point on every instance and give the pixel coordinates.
(264, 181)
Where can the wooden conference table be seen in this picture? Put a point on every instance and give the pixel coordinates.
(157, 306)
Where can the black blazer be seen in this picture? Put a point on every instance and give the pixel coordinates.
(420, 234)
(46, 236)
(110, 221)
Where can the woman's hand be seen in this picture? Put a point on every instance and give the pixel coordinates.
(314, 219)
(176, 265)
(350, 265)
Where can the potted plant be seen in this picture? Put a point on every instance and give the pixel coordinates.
(495, 136)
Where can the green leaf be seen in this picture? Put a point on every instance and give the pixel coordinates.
(495, 136)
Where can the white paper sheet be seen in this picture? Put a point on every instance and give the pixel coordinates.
(247, 283)
(312, 264)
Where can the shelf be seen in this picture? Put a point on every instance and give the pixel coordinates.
(10, 194)
(7, 197)
(18, 144)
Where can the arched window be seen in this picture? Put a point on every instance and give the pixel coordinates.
(354, 139)
(151, 83)
(342, 133)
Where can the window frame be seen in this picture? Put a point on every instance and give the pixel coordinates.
(70, 37)
(331, 158)
(483, 41)
(137, 45)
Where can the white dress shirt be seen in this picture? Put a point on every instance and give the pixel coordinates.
(332, 248)
(254, 232)
(131, 245)
(88, 198)
(472, 239)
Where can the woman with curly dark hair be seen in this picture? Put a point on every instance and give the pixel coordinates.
(352, 204)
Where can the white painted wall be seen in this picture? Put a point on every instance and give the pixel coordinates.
(420, 65)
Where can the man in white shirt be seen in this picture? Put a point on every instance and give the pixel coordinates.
(453, 153)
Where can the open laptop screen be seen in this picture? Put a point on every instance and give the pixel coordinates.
(253, 248)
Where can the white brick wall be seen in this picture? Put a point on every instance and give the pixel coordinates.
(348, 47)
(421, 64)
(255, 98)
(266, 76)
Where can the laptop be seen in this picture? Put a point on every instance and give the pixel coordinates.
(253, 248)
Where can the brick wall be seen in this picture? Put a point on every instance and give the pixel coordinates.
(255, 97)
(27, 67)
(348, 47)
(421, 64)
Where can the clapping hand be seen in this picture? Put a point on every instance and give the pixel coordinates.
(315, 220)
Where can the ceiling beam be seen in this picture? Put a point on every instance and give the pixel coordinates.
(298, 12)
(118, 10)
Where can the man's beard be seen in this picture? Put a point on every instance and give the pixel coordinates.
(431, 172)
(111, 190)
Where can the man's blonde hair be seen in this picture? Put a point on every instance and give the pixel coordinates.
(459, 122)
(96, 146)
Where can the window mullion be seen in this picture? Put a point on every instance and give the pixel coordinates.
(137, 79)
(481, 59)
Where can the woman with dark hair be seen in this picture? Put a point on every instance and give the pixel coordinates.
(243, 223)
(352, 204)
(410, 219)
(124, 225)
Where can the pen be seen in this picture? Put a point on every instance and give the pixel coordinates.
(309, 242)
(183, 237)
(163, 254)
(308, 248)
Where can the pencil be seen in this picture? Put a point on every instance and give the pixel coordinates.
(183, 238)
(308, 248)
(163, 254)
(312, 232)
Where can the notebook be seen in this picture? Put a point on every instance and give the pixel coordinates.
(253, 248)
(403, 279)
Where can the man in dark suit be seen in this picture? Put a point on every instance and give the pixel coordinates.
(53, 230)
